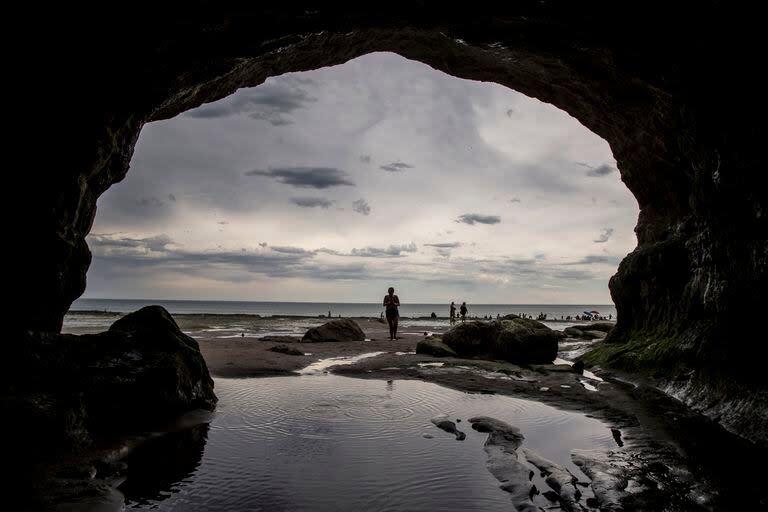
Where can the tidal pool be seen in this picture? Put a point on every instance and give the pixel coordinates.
(325, 442)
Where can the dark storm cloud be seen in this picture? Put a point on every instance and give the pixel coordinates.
(312, 202)
(271, 102)
(306, 177)
(392, 251)
(476, 218)
(396, 167)
(604, 236)
(361, 206)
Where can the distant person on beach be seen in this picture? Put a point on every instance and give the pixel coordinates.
(453, 312)
(391, 303)
(463, 311)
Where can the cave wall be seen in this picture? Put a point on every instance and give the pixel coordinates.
(671, 88)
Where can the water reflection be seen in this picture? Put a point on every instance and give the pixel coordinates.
(159, 467)
(326, 442)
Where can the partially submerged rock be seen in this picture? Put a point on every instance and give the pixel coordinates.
(518, 340)
(600, 326)
(503, 461)
(447, 425)
(609, 481)
(434, 347)
(336, 330)
(285, 349)
(573, 332)
(562, 482)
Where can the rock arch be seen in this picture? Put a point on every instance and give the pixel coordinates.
(661, 84)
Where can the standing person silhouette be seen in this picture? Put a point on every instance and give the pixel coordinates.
(463, 311)
(453, 312)
(391, 303)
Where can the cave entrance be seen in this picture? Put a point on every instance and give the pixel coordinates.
(331, 185)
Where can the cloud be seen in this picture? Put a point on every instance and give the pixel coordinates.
(445, 245)
(291, 250)
(604, 236)
(389, 252)
(476, 218)
(312, 202)
(222, 222)
(306, 177)
(366, 159)
(271, 102)
(510, 112)
(361, 206)
(599, 171)
(150, 201)
(262, 244)
(596, 258)
(172, 198)
(396, 167)
(105, 243)
(514, 200)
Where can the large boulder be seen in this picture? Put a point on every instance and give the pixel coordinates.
(517, 340)
(336, 330)
(434, 347)
(143, 371)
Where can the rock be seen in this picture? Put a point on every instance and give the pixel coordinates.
(600, 326)
(336, 330)
(281, 339)
(141, 372)
(592, 335)
(448, 426)
(503, 460)
(608, 480)
(434, 347)
(558, 478)
(578, 367)
(285, 349)
(573, 332)
(518, 340)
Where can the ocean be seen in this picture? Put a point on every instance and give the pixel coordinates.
(229, 319)
(345, 309)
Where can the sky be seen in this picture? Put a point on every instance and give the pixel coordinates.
(334, 184)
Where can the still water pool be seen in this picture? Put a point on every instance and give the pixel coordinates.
(325, 442)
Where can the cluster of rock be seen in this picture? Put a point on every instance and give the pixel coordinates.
(513, 339)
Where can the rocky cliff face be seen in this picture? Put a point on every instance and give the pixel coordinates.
(673, 96)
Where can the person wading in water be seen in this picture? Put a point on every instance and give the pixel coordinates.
(391, 303)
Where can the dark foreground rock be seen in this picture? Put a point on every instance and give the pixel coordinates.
(434, 347)
(518, 340)
(63, 389)
(335, 330)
